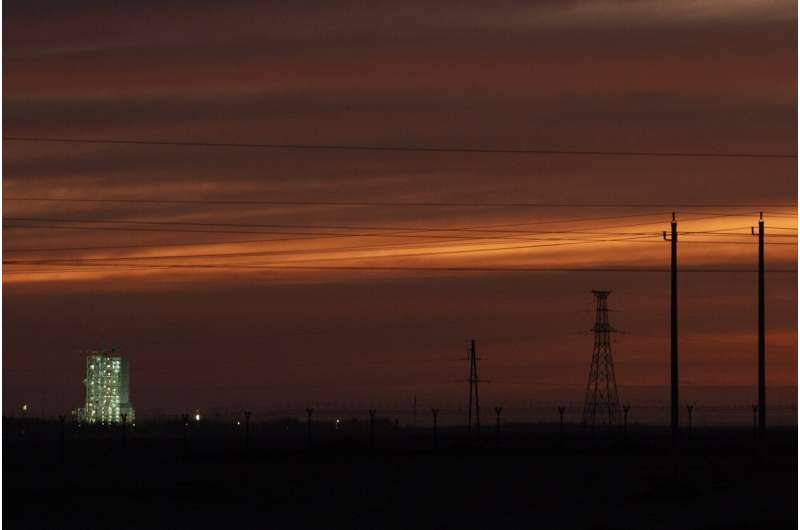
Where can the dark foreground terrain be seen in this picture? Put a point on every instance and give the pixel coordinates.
(527, 477)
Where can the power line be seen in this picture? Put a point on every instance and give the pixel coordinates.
(324, 249)
(408, 232)
(558, 242)
(150, 246)
(729, 234)
(401, 149)
(402, 230)
(386, 245)
(561, 242)
(338, 227)
(447, 269)
(172, 230)
(246, 241)
(297, 226)
(325, 235)
(401, 204)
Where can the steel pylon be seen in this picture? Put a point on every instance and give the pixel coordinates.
(601, 405)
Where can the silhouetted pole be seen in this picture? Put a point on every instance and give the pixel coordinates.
(435, 413)
(309, 412)
(414, 424)
(24, 419)
(497, 411)
(477, 402)
(625, 410)
(185, 420)
(372, 428)
(689, 409)
(762, 394)
(246, 431)
(755, 421)
(561, 422)
(124, 417)
(62, 453)
(471, 378)
(674, 413)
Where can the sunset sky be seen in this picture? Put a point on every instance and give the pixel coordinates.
(348, 309)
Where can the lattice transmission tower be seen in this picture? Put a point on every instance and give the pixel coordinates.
(474, 403)
(601, 405)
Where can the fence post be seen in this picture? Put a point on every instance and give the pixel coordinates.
(124, 417)
(62, 452)
(625, 410)
(372, 428)
(309, 412)
(185, 426)
(435, 413)
(246, 432)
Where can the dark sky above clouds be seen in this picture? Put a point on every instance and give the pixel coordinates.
(207, 325)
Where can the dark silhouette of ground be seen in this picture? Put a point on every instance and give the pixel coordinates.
(527, 477)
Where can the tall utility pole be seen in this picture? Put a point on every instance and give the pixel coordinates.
(674, 417)
(473, 389)
(762, 393)
(602, 401)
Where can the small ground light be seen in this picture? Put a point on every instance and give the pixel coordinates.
(238, 422)
(338, 421)
(25, 408)
(197, 417)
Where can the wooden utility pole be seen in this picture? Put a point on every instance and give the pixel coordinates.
(762, 391)
(674, 410)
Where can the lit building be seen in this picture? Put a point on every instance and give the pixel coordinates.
(107, 389)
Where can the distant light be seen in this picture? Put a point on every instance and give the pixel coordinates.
(25, 408)
(238, 422)
(197, 417)
(338, 421)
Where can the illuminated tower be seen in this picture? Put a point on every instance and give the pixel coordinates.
(107, 389)
(602, 401)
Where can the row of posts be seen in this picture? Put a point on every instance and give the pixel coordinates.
(185, 420)
(434, 413)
